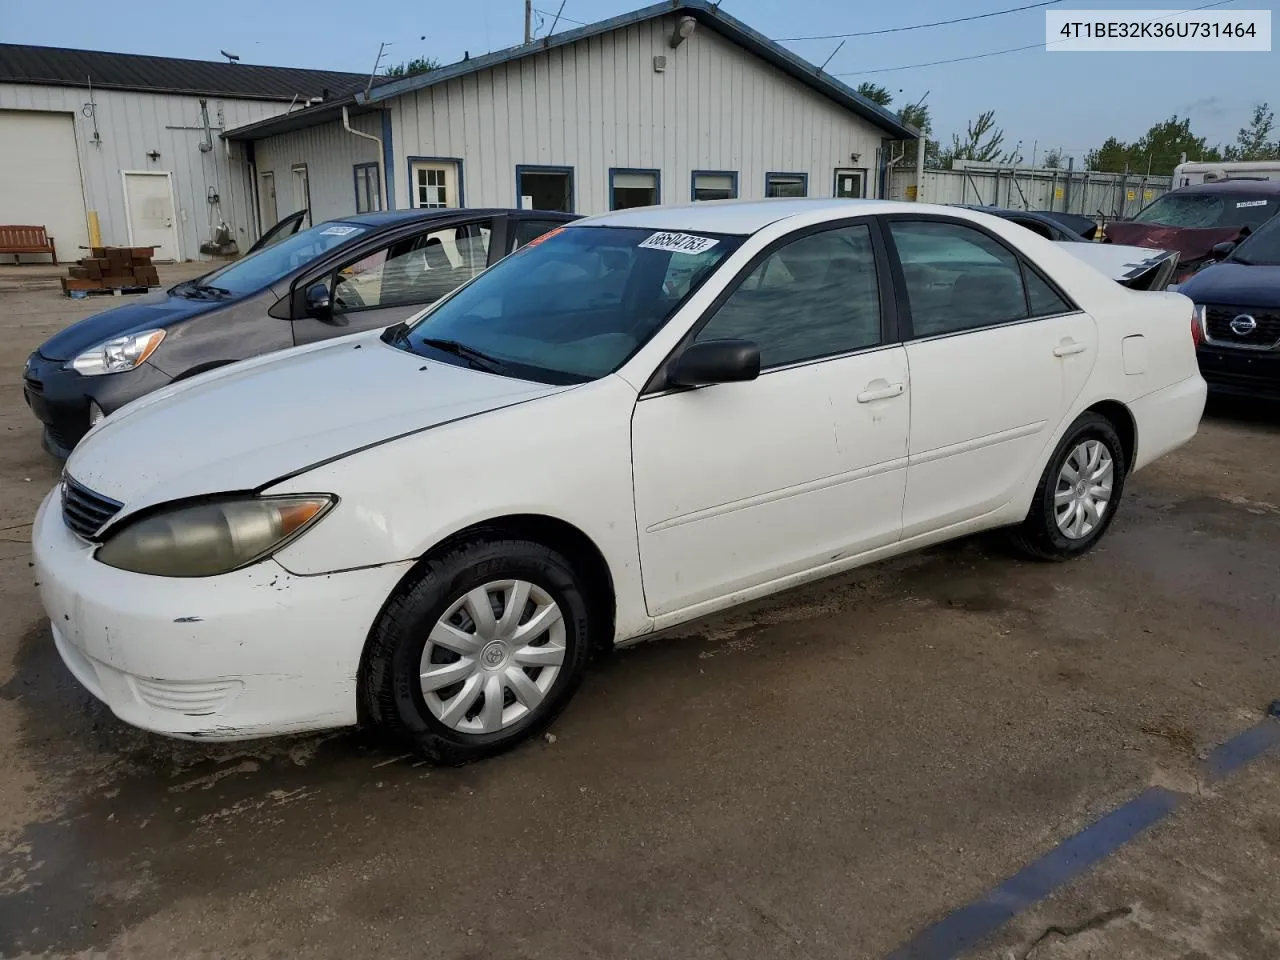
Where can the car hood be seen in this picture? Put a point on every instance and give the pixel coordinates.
(240, 427)
(148, 312)
(1190, 243)
(1235, 284)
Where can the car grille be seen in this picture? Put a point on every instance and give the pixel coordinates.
(1217, 321)
(84, 511)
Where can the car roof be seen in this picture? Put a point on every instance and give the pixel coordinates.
(741, 216)
(1232, 186)
(388, 218)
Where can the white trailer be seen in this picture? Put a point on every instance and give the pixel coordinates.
(1185, 174)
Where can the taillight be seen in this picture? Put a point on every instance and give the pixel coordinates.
(1197, 326)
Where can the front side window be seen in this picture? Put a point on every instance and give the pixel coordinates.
(571, 306)
(786, 184)
(271, 264)
(814, 297)
(419, 269)
(714, 185)
(1262, 247)
(957, 278)
(633, 188)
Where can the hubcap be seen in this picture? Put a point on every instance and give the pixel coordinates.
(1083, 491)
(492, 657)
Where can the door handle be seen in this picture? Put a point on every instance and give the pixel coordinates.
(1069, 348)
(880, 390)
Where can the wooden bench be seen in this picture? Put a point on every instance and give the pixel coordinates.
(18, 238)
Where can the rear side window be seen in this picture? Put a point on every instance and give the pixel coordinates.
(526, 230)
(1044, 300)
(957, 278)
(814, 297)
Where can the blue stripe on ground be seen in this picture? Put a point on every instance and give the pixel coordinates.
(960, 931)
(1242, 749)
(965, 928)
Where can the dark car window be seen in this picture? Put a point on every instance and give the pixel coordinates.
(1263, 246)
(1044, 300)
(1035, 226)
(957, 278)
(1209, 210)
(270, 264)
(417, 269)
(572, 305)
(526, 230)
(814, 297)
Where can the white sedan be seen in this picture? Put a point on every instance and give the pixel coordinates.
(638, 419)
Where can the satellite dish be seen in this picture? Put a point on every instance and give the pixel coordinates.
(231, 57)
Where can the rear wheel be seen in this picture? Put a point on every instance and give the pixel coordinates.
(1077, 496)
(480, 652)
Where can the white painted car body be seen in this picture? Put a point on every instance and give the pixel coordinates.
(696, 500)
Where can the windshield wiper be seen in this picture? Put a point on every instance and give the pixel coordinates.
(216, 291)
(476, 358)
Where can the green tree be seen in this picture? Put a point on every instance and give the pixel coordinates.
(875, 93)
(1052, 158)
(411, 67)
(982, 141)
(1158, 150)
(917, 115)
(1254, 141)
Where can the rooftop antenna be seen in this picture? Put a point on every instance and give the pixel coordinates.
(376, 63)
(231, 57)
(557, 19)
(828, 60)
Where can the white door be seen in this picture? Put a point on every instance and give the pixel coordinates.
(997, 359)
(301, 192)
(435, 184)
(740, 484)
(267, 201)
(148, 199)
(40, 178)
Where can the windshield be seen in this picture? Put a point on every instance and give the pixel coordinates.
(1263, 246)
(572, 305)
(1209, 210)
(269, 264)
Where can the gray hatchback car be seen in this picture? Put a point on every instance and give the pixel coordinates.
(295, 286)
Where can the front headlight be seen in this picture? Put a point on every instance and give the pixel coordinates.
(120, 354)
(207, 539)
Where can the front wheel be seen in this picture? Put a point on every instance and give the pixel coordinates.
(482, 650)
(1077, 496)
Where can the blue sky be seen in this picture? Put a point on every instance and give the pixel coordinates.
(1067, 100)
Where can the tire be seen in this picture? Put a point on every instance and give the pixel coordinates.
(402, 684)
(1040, 536)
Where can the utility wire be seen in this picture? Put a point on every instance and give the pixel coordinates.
(998, 53)
(548, 13)
(920, 26)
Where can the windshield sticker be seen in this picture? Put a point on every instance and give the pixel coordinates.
(679, 243)
(338, 231)
(1251, 203)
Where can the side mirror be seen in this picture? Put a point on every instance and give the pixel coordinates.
(1223, 250)
(318, 302)
(715, 361)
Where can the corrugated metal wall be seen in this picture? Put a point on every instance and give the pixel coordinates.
(599, 103)
(330, 154)
(134, 124)
(1088, 193)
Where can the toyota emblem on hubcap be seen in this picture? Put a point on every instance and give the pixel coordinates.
(494, 655)
(1243, 325)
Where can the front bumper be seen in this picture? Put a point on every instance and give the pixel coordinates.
(60, 397)
(1242, 373)
(257, 652)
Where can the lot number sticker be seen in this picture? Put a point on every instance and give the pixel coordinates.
(679, 243)
(1251, 203)
(338, 231)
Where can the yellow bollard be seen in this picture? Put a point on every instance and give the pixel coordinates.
(95, 232)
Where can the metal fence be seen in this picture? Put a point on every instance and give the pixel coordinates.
(1103, 196)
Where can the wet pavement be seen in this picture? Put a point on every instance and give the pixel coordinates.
(824, 773)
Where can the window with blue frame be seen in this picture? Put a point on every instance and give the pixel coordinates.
(368, 188)
(786, 184)
(544, 188)
(629, 187)
(714, 185)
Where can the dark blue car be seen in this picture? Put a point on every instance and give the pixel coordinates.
(1238, 303)
(295, 287)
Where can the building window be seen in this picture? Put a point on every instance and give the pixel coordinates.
(714, 185)
(301, 190)
(786, 184)
(544, 188)
(435, 184)
(368, 188)
(851, 182)
(634, 188)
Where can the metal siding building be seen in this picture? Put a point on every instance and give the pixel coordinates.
(329, 155)
(128, 146)
(628, 104)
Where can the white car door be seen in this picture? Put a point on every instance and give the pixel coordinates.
(739, 484)
(997, 357)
